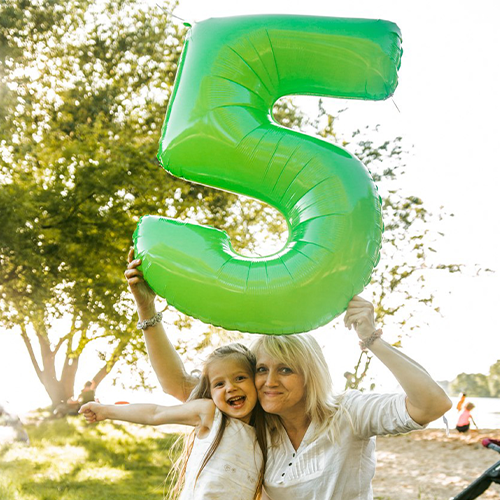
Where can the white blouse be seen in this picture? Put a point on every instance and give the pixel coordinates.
(320, 470)
(233, 471)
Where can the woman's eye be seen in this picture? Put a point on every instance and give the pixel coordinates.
(261, 369)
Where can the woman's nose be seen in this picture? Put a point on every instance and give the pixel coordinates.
(271, 379)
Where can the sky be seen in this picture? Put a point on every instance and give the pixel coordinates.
(449, 103)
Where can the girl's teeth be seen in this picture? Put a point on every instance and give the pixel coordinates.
(236, 401)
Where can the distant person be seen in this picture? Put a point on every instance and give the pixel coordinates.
(465, 418)
(461, 401)
(14, 422)
(223, 459)
(88, 393)
(73, 405)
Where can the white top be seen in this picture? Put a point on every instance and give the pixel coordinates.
(233, 471)
(320, 470)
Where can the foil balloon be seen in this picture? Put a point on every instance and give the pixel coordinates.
(219, 131)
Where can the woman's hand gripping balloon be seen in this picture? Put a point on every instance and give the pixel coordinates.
(143, 295)
(166, 362)
(360, 314)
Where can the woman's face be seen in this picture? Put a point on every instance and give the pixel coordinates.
(281, 391)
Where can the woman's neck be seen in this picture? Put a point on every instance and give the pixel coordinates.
(296, 427)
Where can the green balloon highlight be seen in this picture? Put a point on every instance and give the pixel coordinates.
(219, 131)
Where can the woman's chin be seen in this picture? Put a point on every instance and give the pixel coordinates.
(271, 407)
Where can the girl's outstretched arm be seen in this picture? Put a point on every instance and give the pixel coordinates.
(199, 412)
(166, 363)
(426, 400)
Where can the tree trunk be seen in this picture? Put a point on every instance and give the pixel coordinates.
(56, 390)
(47, 376)
(61, 390)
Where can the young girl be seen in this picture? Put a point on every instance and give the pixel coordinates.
(222, 459)
(465, 417)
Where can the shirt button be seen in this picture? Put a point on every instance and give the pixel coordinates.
(282, 474)
(290, 464)
(293, 455)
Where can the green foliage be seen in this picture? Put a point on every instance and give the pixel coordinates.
(84, 88)
(72, 460)
(494, 380)
(478, 384)
(472, 384)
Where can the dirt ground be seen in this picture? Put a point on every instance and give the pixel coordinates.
(428, 465)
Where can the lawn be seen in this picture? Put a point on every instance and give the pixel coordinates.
(71, 460)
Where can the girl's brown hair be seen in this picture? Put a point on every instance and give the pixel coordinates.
(202, 391)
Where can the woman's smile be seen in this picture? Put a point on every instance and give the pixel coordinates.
(281, 390)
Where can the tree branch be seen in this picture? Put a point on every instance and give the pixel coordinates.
(31, 353)
(115, 356)
(70, 214)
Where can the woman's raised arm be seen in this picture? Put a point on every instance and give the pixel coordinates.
(426, 400)
(165, 360)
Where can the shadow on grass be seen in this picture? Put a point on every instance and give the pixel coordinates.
(71, 460)
(134, 486)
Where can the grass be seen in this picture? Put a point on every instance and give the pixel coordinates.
(71, 460)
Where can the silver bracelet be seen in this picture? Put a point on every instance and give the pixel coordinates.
(366, 343)
(142, 325)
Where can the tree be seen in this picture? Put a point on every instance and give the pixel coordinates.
(84, 87)
(494, 380)
(472, 384)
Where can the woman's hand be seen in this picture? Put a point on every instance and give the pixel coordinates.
(426, 401)
(93, 412)
(143, 295)
(360, 315)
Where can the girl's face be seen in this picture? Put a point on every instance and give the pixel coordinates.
(281, 390)
(232, 387)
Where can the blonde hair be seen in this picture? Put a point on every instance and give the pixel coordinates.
(303, 355)
(202, 391)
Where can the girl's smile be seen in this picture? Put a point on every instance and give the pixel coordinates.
(232, 388)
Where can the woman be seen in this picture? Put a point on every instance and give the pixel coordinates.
(321, 446)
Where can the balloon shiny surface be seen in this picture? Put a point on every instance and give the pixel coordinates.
(219, 131)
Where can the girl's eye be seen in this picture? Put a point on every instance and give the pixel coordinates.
(241, 377)
(218, 384)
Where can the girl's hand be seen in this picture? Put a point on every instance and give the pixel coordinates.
(93, 412)
(143, 295)
(360, 315)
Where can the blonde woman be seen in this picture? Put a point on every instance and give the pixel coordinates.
(321, 446)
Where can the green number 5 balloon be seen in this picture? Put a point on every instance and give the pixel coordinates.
(219, 131)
